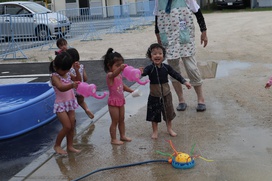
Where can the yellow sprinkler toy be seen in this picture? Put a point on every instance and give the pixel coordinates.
(182, 160)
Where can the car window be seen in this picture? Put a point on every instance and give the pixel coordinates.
(37, 8)
(2, 10)
(13, 9)
(24, 11)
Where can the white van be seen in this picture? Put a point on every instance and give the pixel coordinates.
(29, 19)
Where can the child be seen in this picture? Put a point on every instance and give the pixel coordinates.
(62, 45)
(113, 66)
(268, 83)
(160, 97)
(80, 99)
(65, 103)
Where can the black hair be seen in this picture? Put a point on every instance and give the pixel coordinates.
(153, 46)
(61, 42)
(110, 58)
(74, 54)
(62, 61)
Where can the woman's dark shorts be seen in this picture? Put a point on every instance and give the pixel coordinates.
(156, 107)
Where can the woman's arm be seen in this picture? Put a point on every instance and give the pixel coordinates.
(200, 20)
(194, 7)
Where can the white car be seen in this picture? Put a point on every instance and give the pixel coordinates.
(29, 19)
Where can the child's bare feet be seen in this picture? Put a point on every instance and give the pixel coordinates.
(89, 113)
(154, 135)
(72, 149)
(172, 133)
(126, 139)
(59, 150)
(117, 142)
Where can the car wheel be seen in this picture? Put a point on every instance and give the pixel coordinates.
(7, 39)
(42, 32)
(62, 35)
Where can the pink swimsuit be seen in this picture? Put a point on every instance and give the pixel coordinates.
(65, 101)
(116, 97)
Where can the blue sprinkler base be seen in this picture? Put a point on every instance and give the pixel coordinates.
(179, 165)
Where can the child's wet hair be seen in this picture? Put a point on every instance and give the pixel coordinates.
(153, 46)
(74, 54)
(62, 61)
(110, 58)
(61, 42)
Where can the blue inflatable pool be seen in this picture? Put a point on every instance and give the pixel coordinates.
(24, 107)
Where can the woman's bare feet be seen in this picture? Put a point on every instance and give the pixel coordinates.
(72, 149)
(117, 142)
(154, 135)
(89, 113)
(172, 133)
(59, 150)
(126, 139)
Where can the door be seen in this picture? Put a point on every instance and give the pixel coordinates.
(84, 5)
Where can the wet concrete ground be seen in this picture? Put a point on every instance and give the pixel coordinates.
(235, 132)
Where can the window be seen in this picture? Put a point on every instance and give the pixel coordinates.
(23, 11)
(70, 1)
(13, 9)
(2, 10)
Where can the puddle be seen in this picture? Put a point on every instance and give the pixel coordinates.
(220, 69)
(224, 68)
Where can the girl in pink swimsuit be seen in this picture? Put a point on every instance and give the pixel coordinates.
(113, 66)
(65, 103)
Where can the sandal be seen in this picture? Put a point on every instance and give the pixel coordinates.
(181, 107)
(200, 107)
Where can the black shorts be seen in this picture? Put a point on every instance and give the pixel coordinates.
(157, 107)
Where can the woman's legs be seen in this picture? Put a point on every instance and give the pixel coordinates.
(175, 64)
(199, 93)
(115, 114)
(194, 75)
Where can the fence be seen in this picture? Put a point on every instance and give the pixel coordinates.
(26, 31)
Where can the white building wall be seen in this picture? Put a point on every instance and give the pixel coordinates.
(264, 3)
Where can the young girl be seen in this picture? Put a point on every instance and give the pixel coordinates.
(80, 99)
(160, 97)
(65, 103)
(268, 83)
(62, 45)
(113, 66)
